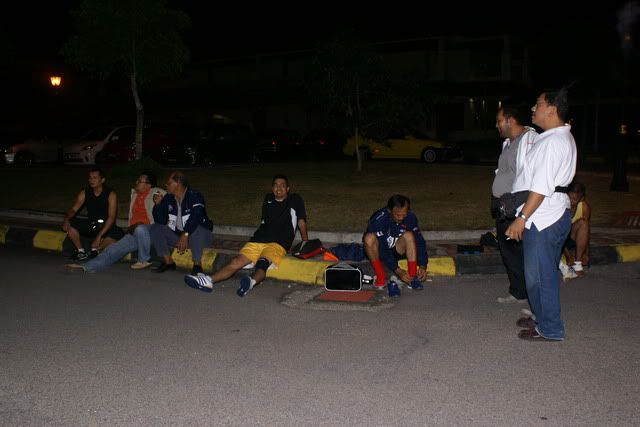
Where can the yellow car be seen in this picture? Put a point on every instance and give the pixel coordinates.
(407, 147)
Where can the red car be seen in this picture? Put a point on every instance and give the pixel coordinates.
(154, 142)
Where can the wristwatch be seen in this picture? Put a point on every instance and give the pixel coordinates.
(523, 216)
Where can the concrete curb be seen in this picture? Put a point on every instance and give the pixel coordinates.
(244, 231)
(312, 271)
(291, 269)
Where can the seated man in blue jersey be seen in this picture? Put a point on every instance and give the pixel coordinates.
(392, 234)
(181, 221)
(282, 215)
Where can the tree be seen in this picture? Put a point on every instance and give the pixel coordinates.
(347, 81)
(138, 39)
(7, 50)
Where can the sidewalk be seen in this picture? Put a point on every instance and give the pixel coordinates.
(608, 245)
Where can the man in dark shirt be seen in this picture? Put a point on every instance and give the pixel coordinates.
(181, 221)
(282, 215)
(100, 224)
(393, 233)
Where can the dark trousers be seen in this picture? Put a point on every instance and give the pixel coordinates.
(513, 260)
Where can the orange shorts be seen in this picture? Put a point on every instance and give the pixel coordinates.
(271, 251)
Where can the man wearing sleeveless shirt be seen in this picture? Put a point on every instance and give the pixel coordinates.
(100, 224)
(282, 215)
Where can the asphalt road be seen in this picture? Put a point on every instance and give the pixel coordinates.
(136, 348)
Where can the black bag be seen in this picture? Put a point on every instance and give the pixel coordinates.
(343, 277)
(509, 202)
(307, 249)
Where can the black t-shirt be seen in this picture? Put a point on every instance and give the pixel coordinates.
(279, 220)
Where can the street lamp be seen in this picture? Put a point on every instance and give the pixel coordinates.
(56, 81)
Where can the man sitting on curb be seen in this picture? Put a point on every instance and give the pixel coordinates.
(101, 204)
(392, 234)
(138, 237)
(282, 215)
(181, 221)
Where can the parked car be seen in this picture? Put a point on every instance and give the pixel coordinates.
(37, 146)
(277, 144)
(209, 144)
(401, 145)
(154, 141)
(323, 143)
(84, 151)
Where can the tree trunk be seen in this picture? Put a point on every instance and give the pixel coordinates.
(357, 117)
(139, 116)
(358, 152)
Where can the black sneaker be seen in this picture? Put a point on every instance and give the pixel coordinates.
(92, 254)
(80, 255)
(164, 267)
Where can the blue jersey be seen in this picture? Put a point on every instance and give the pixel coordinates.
(388, 232)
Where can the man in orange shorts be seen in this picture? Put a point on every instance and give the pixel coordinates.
(282, 215)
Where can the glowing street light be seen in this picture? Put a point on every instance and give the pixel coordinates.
(56, 81)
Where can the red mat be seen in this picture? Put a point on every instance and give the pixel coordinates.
(360, 296)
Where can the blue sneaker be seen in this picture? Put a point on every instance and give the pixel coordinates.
(201, 281)
(416, 285)
(394, 289)
(245, 286)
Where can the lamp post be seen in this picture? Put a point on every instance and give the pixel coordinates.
(627, 17)
(56, 81)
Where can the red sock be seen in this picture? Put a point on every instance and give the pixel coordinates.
(377, 267)
(413, 268)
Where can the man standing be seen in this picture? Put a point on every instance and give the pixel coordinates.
(101, 204)
(282, 215)
(544, 221)
(393, 233)
(510, 121)
(181, 221)
(137, 237)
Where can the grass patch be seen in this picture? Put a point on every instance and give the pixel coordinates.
(444, 196)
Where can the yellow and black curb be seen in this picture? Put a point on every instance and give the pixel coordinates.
(312, 271)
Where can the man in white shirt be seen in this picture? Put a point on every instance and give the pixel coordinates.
(544, 221)
(510, 121)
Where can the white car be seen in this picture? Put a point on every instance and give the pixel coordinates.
(33, 150)
(84, 152)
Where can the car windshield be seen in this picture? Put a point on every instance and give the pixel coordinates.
(97, 134)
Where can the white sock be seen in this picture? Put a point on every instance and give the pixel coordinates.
(252, 283)
(577, 266)
(81, 250)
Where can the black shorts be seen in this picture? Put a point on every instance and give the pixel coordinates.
(397, 255)
(87, 228)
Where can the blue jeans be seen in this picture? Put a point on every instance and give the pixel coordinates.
(542, 251)
(139, 241)
(164, 239)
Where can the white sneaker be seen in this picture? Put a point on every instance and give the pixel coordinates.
(510, 299)
(528, 313)
(140, 265)
(570, 274)
(202, 282)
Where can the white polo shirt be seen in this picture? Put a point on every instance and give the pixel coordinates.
(550, 162)
(526, 143)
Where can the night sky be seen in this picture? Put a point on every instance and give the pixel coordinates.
(227, 31)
